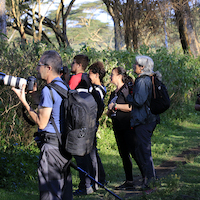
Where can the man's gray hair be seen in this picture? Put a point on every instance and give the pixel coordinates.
(146, 62)
(52, 57)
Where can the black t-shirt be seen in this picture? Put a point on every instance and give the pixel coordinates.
(122, 119)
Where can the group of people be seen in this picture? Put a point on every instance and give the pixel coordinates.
(133, 122)
(128, 107)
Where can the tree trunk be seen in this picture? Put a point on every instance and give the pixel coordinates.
(192, 37)
(66, 41)
(187, 34)
(118, 35)
(112, 10)
(131, 29)
(2, 18)
(18, 22)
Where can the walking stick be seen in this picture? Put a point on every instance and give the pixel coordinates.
(100, 184)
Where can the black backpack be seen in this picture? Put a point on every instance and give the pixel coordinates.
(85, 83)
(78, 120)
(160, 100)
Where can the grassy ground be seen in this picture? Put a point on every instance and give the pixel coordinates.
(168, 141)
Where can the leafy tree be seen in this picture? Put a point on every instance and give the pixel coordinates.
(136, 20)
(85, 29)
(62, 22)
(25, 19)
(131, 18)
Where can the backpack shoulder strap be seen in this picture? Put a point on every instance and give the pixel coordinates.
(63, 82)
(61, 91)
(52, 119)
(51, 93)
(153, 86)
(86, 79)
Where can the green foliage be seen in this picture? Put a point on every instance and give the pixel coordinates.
(18, 61)
(180, 74)
(18, 166)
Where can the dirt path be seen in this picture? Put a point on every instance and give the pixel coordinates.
(165, 168)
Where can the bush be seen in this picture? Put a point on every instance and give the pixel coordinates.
(180, 75)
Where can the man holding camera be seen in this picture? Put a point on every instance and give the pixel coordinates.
(53, 169)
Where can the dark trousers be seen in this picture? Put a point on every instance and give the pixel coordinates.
(142, 137)
(91, 163)
(96, 170)
(125, 143)
(84, 163)
(55, 181)
(101, 171)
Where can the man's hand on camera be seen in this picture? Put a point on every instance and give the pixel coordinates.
(21, 94)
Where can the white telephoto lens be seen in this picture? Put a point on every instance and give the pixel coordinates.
(14, 81)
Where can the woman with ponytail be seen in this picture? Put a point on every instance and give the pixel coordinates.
(119, 111)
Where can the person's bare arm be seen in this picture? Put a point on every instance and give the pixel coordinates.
(122, 107)
(42, 117)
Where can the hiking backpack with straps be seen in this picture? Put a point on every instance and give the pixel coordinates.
(160, 100)
(78, 120)
(95, 90)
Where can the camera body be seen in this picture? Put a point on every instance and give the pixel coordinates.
(17, 82)
(64, 70)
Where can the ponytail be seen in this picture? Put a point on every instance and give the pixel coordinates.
(125, 78)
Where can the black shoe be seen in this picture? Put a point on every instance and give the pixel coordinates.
(127, 185)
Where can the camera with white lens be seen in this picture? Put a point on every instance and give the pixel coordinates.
(17, 82)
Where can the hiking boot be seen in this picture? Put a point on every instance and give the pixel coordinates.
(127, 185)
(86, 191)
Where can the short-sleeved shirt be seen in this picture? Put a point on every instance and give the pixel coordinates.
(122, 119)
(74, 81)
(99, 89)
(47, 102)
(80, 82)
